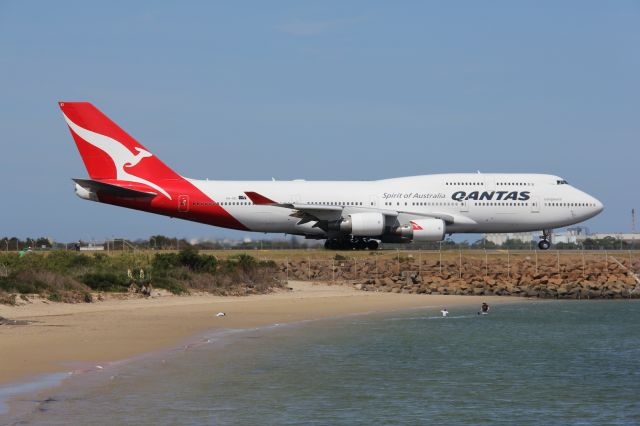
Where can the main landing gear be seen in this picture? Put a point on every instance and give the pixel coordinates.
(545, 240)
(351, 243)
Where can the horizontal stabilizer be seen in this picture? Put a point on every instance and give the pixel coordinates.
(96, 187)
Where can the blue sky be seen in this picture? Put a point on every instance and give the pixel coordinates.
(317, 90)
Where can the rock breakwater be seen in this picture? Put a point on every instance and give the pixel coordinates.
(548, 275)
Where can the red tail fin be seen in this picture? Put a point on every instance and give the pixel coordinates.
(109, 152)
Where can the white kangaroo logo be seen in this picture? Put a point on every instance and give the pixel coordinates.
(120, 154)
(142, 153)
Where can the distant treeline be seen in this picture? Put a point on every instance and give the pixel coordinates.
(71, 276)
(607, 243)
(155, 242)
(161, 242)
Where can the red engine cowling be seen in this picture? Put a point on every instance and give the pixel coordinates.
(429, 229)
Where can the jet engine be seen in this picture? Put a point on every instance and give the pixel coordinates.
(429, 229)
(363, 224)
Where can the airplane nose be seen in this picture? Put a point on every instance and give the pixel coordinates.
(598, 205)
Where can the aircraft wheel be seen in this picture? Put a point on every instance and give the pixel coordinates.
(544, 245)
(360, 244)
(372, 245)
(345, 245)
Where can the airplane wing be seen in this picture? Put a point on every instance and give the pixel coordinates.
(113, 190)
(317, 213)
(305, 212)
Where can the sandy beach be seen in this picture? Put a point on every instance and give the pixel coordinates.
(62, 336)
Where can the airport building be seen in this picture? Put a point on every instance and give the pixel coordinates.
(500, 239)
(575, 235)
(628, 237)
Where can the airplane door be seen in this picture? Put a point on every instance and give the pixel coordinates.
(535, 205)
(183, 203)
(464, 206)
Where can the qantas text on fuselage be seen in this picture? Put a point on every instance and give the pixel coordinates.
(348, 214)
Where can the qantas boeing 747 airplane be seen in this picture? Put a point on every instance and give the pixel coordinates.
(349, 215)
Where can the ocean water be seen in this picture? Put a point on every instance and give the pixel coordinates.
(539, 362)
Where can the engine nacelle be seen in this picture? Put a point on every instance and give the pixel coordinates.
(429, 229)
(363, 224)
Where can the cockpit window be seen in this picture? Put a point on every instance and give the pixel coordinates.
(562, 182)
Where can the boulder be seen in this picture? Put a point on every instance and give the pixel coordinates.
(553, 281)
(612, 278)
(525, 279)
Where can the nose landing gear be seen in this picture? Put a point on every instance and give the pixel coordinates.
(545, 240)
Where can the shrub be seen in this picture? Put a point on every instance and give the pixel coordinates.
(105, 281)
(63, 260)
(70, 276)
(188, 257)
(38, 281)
(246, 262)
(270, 264)
(66, 297)
(170, 284)
(164, 261)
(55, 297)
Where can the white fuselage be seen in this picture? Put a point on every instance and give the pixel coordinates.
(348, 214)
(469, 203)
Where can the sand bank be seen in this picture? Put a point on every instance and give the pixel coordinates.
(63, 335)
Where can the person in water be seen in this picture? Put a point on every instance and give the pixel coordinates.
(444, 312)
(485, 308)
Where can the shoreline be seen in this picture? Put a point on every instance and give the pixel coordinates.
(38, 395)
(72, 334)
